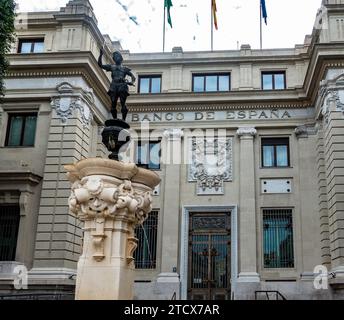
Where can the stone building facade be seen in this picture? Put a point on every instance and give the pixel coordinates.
(249, 145)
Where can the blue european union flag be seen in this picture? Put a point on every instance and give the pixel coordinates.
(264, 12)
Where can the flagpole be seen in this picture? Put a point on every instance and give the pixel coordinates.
(212, 25)
(261, 24)
(164, 31)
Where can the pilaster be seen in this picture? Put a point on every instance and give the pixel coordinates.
(171, 207)
(247, 208)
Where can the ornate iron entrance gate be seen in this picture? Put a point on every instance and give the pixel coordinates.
(209, 257)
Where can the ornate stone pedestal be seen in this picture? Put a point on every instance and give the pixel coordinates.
(112, 198)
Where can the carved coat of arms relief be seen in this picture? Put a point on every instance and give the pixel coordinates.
(211, 164)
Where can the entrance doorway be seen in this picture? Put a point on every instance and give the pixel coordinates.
(209, 262)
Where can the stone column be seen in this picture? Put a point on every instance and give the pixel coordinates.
(247, 208)
(111, 198)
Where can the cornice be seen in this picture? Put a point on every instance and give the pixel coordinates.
(254, 59)
(323, 57)
(19, 176)
(180, 107)
(63, 66)
(233, 100)
(65, 73)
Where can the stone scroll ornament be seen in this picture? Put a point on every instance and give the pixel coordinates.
(94, 199)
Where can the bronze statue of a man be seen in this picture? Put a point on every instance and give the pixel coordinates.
(119, 85)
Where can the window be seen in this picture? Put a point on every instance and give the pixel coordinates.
(9, 226)
(211, 82)
(273, 80)
(145, 254)
(149, 84)
(275, 152)
(31, 46)
(21, 130)
(148, 154)
(278, 238)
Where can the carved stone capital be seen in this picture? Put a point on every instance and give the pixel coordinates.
(98, 198)
(246, 132)
(173, 134)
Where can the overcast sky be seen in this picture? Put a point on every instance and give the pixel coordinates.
(238, 21)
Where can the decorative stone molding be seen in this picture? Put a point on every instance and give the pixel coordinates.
(331, 96)
(131, 247)
(65, 88)
(304, 131)
(211, 164)
(301, 131)
(246, 131)
(26, 74)
(70, 100)
(24, 201)
(97, 199)
(340, 100)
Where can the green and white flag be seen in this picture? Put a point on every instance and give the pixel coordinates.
(168, 5)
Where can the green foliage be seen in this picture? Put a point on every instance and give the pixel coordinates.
(7, 17)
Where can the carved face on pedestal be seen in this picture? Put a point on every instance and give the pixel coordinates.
(97, 205)
(95, 187)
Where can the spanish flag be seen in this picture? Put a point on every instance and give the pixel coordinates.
(214, 10)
